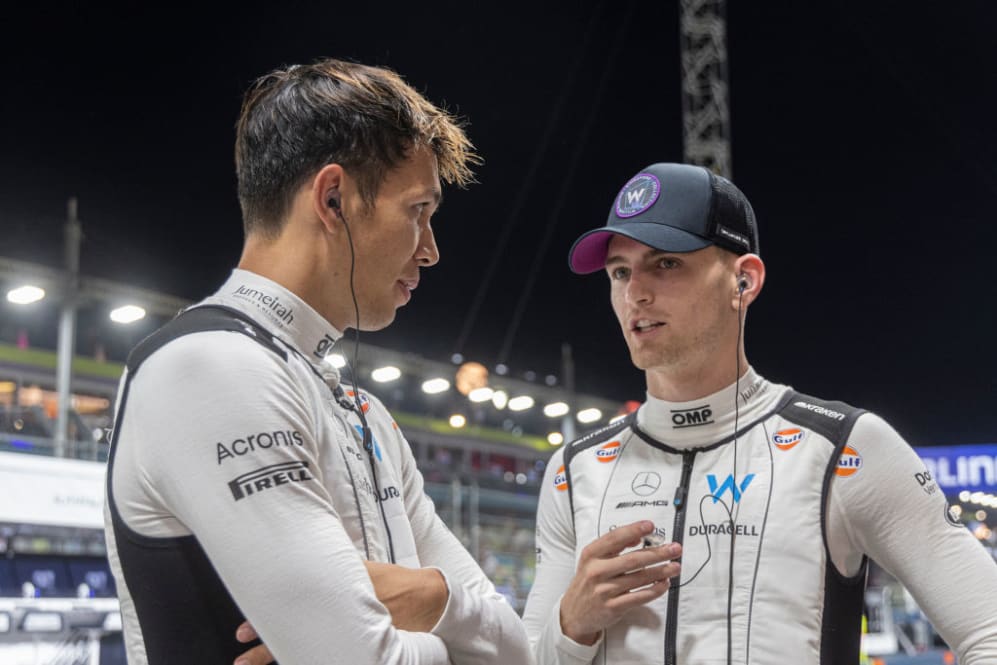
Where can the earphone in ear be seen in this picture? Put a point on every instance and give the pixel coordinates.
(742, 284)
(334, 203)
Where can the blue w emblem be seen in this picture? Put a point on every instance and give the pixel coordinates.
(736, 491)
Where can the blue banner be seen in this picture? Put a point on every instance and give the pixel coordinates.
(957, 468)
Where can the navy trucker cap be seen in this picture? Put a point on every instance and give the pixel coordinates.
(674, 208)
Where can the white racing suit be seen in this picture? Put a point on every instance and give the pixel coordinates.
(813, 489)
(238, 487)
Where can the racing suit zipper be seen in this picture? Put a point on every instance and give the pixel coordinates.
(678, 529)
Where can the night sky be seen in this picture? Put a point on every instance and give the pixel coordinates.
(865, 138)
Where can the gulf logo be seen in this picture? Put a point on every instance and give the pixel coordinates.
(785, 439)
(364, 402)
(849, 463)
(608, 452)
(560, 479)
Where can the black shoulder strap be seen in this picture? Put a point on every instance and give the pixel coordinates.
(593, 438)
(205, 318)
(834, 421)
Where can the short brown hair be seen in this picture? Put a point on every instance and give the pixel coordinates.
(296, 120)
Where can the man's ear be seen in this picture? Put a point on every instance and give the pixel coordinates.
(749, 278)
(327, 197)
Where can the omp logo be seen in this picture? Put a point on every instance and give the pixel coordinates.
(364, 401)
(830, 413)
(849, 463)
(736, 491)
(785, 439)
(694, 417)
(560, 479)
(608, 452)
(269, 477)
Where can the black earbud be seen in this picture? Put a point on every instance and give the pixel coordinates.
(334, 204)
(742, 284)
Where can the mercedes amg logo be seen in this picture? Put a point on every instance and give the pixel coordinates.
(646, 483)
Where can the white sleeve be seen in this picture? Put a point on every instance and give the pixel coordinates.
(282, 553)
(554, 572)
(478, 626)
(889, 512)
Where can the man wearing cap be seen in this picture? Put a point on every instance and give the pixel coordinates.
(774, 500)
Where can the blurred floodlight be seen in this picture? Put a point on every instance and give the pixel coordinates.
(520, 403)
(457, 421)
(589, 415)
(433, 386)
(555, 438)
(556, 409)
(337, 360)
(500, 398)
(385, 374)
(482, 394)
(964, 496)
(469, 376)
(127, 314)
(26, 294)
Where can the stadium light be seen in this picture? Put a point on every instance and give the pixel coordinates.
(25, 295)
(127, 314)
(434, 386)
(336, 360)
(500, 398)
(457, 421)
(555, 438)
(386, 374)
(481, 394)
(520, 403)
(589, 415)
(556, 409)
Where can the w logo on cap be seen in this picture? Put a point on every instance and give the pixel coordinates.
(634, 197)
(637, 195)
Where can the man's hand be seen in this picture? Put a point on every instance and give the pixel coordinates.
(415, 597)
(258, 655)
(602, 589)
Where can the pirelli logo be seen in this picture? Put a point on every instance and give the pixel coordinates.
(269, 477)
